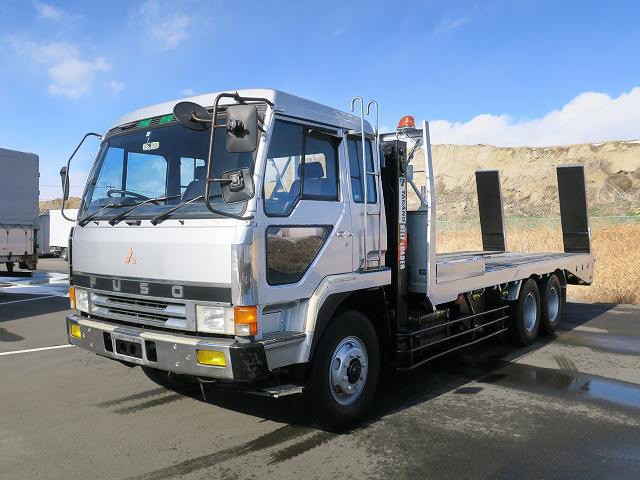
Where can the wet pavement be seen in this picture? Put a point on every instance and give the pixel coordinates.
(567, 407)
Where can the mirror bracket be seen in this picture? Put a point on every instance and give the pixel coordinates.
(64, 174)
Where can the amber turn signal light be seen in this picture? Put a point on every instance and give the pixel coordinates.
(245, 320)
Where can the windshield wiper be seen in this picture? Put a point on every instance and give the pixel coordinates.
(164, 215)
(118, 218)
(87, 218)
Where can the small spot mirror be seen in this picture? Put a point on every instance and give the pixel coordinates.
(238, 185)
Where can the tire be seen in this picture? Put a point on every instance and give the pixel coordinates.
(64, 254)
(552, 304)
(166, 379)
(525, 318)
(339, 401)
(9, 266)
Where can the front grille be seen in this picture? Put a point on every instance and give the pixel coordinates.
(143, 311)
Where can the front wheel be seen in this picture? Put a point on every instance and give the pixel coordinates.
(344, 372)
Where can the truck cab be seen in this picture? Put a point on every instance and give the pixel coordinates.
(243, 237)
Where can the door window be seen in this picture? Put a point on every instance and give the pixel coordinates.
(301, 164)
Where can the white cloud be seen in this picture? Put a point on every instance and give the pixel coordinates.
(166, 28)
(589, 117)
(51, 12)
(338, 32)
(187, 92)
(448, 25)
(69, 73)
(114, 86)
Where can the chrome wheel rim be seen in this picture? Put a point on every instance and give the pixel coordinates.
(530, 312)
(553, 304)
(348, 370)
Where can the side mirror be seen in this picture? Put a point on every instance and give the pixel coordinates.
(65, 183)
(242, 128)
(237, 185)
(192, 116)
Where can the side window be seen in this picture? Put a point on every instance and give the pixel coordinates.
(146, 174)
(301, 163)
(355, 168)
(291, 250)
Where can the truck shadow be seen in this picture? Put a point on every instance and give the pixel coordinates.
(480, 364)
(33, 307)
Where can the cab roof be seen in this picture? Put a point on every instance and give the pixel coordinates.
(286, 104)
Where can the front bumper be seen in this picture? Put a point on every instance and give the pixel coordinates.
(175, 353)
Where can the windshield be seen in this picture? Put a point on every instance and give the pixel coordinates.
(166, 161)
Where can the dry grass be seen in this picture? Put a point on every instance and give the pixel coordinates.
(616, 247)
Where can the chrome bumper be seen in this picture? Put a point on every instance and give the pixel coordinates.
(174, 353)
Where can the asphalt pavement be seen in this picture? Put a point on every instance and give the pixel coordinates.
(567, 407)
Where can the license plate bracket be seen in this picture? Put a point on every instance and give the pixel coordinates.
(128, 347)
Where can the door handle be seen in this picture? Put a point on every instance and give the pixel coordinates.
(343, 234)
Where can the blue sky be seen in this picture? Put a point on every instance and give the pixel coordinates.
(503, 72)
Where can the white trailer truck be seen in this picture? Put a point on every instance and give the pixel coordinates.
(59, 230)
(259, 238)
(19, 194)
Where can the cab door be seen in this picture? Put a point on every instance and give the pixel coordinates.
(369, 243)
(306, 216)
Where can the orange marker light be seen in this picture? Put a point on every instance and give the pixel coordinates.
(72, 297)
(245, 320)
(406, 122)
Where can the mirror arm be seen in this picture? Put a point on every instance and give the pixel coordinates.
(207, 187)
(65, 186)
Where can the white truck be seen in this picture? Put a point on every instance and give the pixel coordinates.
(263, 239)
(19, 192)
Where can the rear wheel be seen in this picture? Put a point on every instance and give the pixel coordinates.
(552, 304)
(64, 254)
(344, 372)
(526, 314)
(9, 266)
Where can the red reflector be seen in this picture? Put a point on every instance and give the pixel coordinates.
(406, 122)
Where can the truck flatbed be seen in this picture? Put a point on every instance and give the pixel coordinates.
(465, 271)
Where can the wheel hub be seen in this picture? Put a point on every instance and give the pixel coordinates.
(354, 371)
(348, 373)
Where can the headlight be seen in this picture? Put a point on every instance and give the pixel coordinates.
(213, 319)
(82, 300)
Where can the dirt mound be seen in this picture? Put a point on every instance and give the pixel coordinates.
(529, 179)
(56, 204)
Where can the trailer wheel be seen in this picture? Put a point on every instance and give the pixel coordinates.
(9, 266)
(526, 314)
(552, 305)
(344, 372)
